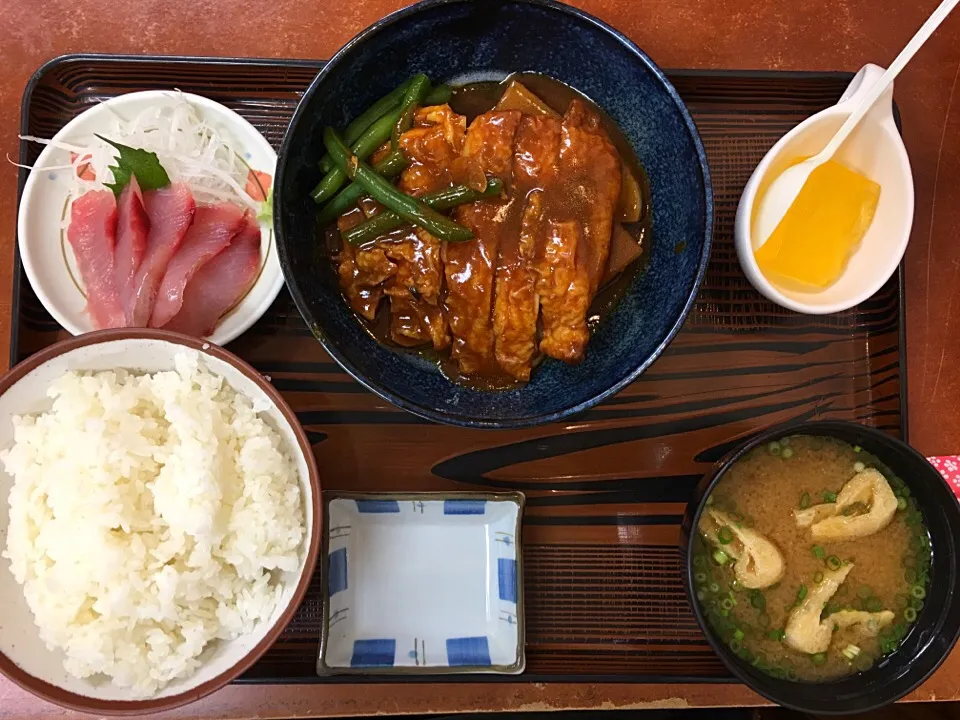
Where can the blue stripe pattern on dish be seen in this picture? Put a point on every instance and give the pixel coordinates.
(373, 653)
(468, 651)
(337, 571)
(378, 506)
(507, 579)
(464, 507)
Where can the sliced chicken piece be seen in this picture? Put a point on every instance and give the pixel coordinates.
(563, 288)
(591, 170)
(361, 271)
(868, 487)
(471, 266)
(806, 632)
(757, 561)
(92, 234)
(516, 302)
(431, 146)
(417, 315)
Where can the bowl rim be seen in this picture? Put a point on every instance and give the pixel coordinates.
(440, 414)
(81, 703)
(695, 509)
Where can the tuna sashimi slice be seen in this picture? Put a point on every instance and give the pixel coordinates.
(212, 230)
(93, 236)
(132, 228)
(219, 284)
(171, 211)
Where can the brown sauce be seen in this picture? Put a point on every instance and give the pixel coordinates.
(472, 100)
(762, 490)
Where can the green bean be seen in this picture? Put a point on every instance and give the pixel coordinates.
(404, 122)
(439, 95)
(375, 136)
(442, 200)
(407, 207)
(368, 117)
(390, 166)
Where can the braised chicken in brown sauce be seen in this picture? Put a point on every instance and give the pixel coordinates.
(549, 253)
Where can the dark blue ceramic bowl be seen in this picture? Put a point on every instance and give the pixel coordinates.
(487, 39)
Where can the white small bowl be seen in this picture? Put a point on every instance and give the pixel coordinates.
(24, 658)
(46, 255)
(876, 150)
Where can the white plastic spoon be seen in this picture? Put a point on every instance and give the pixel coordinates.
(784, 190)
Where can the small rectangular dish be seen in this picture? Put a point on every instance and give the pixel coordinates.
(422, 583)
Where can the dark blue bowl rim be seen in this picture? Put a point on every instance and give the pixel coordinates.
(436, 414)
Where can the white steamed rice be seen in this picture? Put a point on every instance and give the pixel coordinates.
(150, 516)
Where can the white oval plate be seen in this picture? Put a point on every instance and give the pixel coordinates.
(46, 256)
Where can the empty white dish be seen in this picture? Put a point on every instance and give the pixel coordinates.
(423, 583)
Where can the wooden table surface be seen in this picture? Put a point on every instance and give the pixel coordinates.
(769, 34)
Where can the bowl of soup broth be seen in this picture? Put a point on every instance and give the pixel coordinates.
(493, 213)
(821, 566)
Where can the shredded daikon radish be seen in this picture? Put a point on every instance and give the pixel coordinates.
(192, 150)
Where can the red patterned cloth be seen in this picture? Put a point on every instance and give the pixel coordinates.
(949, 467)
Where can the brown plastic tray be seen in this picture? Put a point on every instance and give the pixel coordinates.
(605, 491)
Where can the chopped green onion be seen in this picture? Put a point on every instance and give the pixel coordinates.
(714, 588)
(801, 594)
(819, 658)
(916, 604)
(724, 612)
(902, 601)
(918, 592)
(829, 496)
(738, 635)
(699, 561)
(791, 675)
(727, 604)
(700, 578)
(910, 575)
(864, 592)
(725, 536)
(833, 562)
(786, 453)
(909, 614)
(709, 499)
(818, 577)
(905, 491)
(859, 466)
(850, 652)
(721, 557)
(818, 552)
(873, 604)
(736, 645)
(785, 441)
(857, 448)
(805, 501)
(701, 595)
(773, 448)
(901, 503)
(776, 635)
